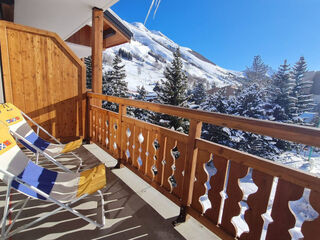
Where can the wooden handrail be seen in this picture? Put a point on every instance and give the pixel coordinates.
(300, 134)
(189, 177)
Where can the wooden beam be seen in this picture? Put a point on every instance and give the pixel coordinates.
(7, 10)
(108, 33)
(299, 134)
(97, 47)
(9, 2)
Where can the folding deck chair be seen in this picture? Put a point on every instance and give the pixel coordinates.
(61, 188)
(14, 118)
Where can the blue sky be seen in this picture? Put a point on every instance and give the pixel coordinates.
(231, 32)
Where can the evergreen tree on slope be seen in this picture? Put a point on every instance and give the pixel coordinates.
(300, 91)
(283, 93)
(88, 63)
(199, 93)
(257, 73)
(173, 90)
(141, 113)
(113, 83)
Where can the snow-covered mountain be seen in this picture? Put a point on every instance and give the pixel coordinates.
(146, 56)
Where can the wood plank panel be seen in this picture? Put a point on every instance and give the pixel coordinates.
(217, 182)
(289, 174)
(310, 229)
(283, 219)
(258, 204)
(160, 157)
(235, 195)
(152, 155)
(169, 162)
(179, 172)
(201, 178)
(43, 77)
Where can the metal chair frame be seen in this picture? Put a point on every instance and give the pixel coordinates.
(5, 232)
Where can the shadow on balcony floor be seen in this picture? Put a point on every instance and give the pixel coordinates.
(127, 215)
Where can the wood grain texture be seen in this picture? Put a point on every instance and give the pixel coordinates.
(201, 177)
(217, 182)
(301, 134)
(283, 219)
(311, 229)
(289, 174)
(179, 172)
(235, 195)
(169, 162)
(258, 204)
(44, 78)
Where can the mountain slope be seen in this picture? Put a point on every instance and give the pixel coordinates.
(149, 52)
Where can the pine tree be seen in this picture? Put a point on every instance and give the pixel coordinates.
(284, 85)
(257, 73)
(302, 88)
(198, 93)
(113, 83)
(141, 113)
(173, 90)
(88, 63)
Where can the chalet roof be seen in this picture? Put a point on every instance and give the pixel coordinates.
(59, 16)
(112, 17)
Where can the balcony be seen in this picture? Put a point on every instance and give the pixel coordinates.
(176, 165)
(133, 209)
(47, 81)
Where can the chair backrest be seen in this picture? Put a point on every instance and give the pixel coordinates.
(61, 186)
(12, 116)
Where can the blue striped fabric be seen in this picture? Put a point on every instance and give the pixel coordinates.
(38, 177)
(37, 141)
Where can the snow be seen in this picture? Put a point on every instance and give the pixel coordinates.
(145, 70)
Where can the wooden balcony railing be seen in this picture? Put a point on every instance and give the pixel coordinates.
(176, 165)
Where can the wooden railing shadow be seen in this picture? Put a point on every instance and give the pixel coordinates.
(127, 215)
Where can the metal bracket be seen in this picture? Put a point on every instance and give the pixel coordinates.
(182, 216)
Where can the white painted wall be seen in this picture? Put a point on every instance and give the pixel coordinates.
(63, 17)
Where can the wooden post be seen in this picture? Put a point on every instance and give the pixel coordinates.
(122, 112)
(87, 120)
(96, 52)
(190, 169)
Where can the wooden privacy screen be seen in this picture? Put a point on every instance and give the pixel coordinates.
(44, 78)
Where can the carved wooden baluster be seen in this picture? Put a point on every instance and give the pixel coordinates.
(116, 138)
(97, 126)
(129, 143)
(103, 129)
(202, 177)
(152, 152)
(145, 155)
(107, 138)
(169, 162)
(283, 219)
(180, 166)
(143, 149)
(217, 184)
(162, 155)
(137, 132)
(258, 204)
(111, 134)
(91, 123)
(235, 195)
(311, 229)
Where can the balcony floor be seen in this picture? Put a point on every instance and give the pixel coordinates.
(133, 209)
